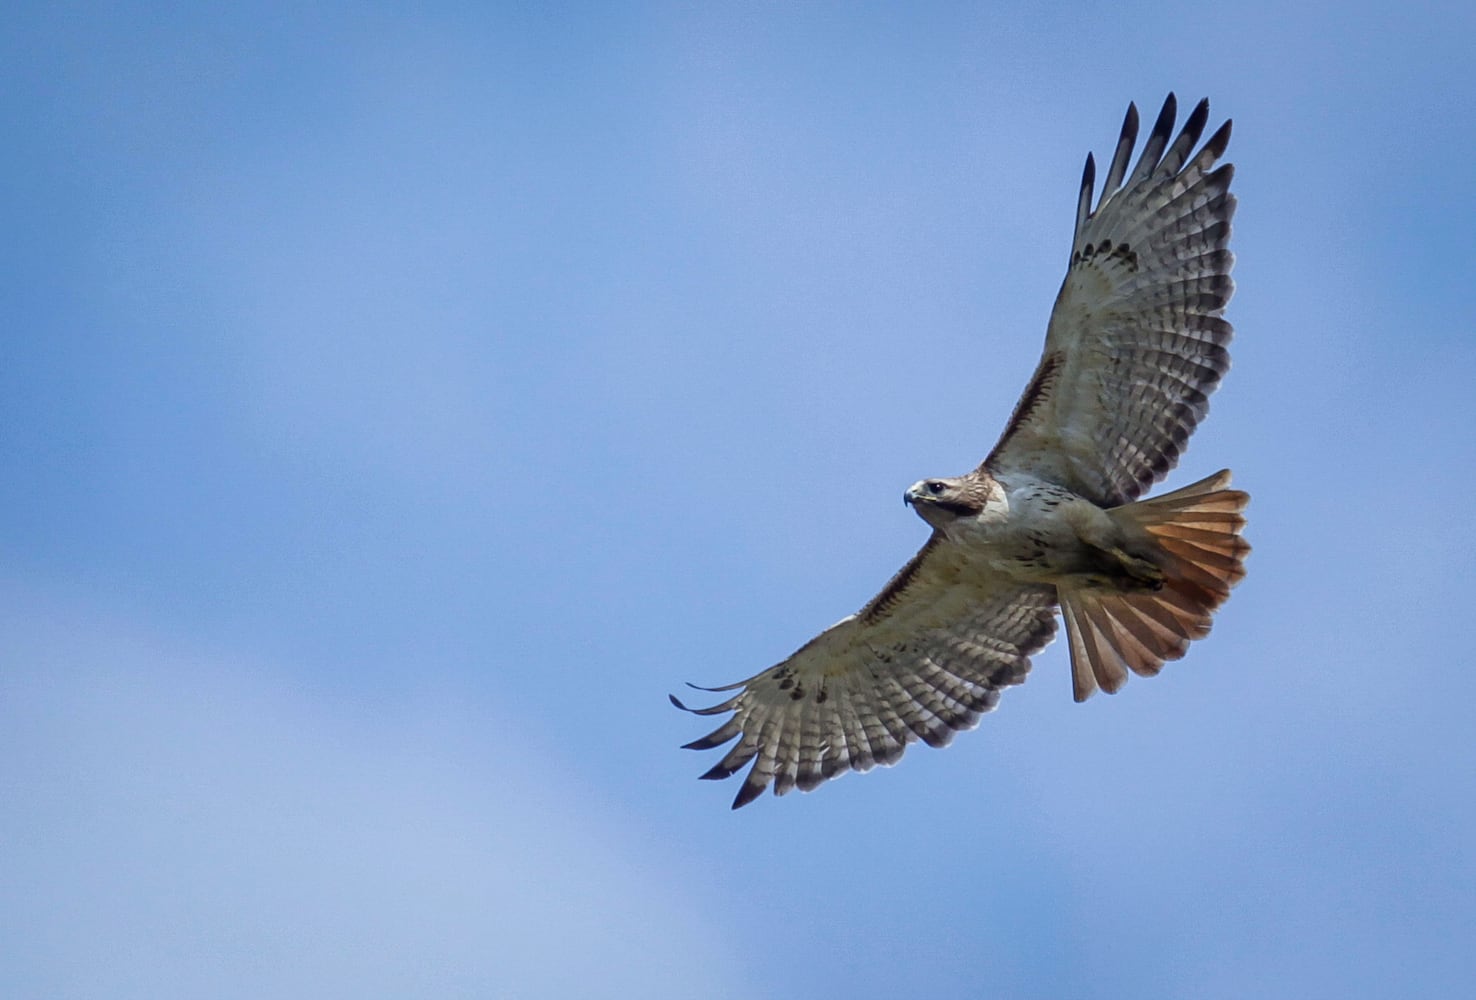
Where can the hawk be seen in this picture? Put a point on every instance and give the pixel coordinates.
(1051, 519)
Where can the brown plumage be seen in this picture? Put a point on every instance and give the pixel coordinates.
(1136, 343)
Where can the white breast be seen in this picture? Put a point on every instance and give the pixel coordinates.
(1028, 532)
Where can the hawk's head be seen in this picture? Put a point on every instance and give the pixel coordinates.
(939, 501)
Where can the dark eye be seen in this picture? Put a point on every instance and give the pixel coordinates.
(935, 487)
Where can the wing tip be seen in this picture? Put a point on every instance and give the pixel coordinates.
(1219, 141)
(1200, 113)
(1084, 199)
(751, 789)
(1164, 123)
(1193, 126)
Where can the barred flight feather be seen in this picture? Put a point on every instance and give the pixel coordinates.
(1154, 310)
(938, 679)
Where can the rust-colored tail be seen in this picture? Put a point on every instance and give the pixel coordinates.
(1196, 531)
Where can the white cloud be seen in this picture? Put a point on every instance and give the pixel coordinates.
(182, 824)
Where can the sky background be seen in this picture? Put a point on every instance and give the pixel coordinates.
(395, 407)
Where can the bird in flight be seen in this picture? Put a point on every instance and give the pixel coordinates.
(1051, 519)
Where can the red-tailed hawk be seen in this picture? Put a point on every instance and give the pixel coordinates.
(1051, 519)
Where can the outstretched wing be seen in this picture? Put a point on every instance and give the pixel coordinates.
(1137, 339)
(925, 658)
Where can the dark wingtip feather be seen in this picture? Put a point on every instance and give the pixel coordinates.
(1158, 139)
(725, 706)
(752, 789)
(717, 772)
(722, 734)
(1126, 139)
(725, 687)
(1084, 200)
(1198, 117)
(1220, 141)
(1178, 154)
(1163, 125)
(1130, 122)
(1166, 115)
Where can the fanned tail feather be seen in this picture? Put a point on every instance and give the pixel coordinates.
(1196, 535)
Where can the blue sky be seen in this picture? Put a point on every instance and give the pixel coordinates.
(394, 408)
